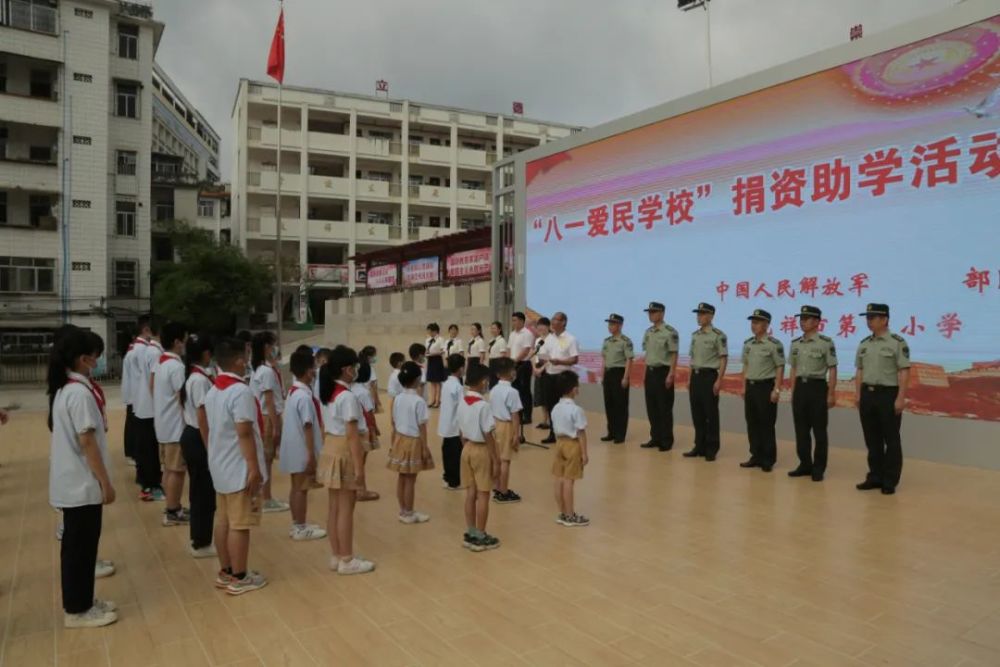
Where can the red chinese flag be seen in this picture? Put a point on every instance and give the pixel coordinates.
(518, 107)
(276, 58)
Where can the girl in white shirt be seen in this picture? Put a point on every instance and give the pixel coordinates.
(79, 484)
(409, 454)
(341, 467)
(497, 350)
(197, 363)
(369, 356)
(436, 373)
(477, 348)
(367, 427)
(268, 388)
(454, 344)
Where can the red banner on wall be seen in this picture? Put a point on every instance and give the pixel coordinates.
(468, 263)
(381, 277)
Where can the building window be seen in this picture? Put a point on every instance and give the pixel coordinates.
(378, 218)
(206, 208)
(126, 163)
(41, 83)
(39, 206)
(126, 277)
(415, 220)
(381, 176)
(40, 153)
(125, 218)
(128, 41)
(472, 185)
(379, 134)
(27, 275)
(3, 207)
(83, 78)
(83, 13)
(127, 100)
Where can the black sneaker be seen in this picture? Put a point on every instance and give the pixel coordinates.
(799, 472)
(692, 454)
(868, 485)
(766, 468)
(750, 463)
(606, 438)
(473, 543)
(709, 457)
(817, 476)
(498, 497)
(649, 445)
(487, 541)
(888, 490)
(512, 497)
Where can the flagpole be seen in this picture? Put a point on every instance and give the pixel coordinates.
(277, 255)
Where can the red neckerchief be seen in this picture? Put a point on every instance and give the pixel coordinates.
(225, 381)
(198, 370)
(167, 356)
(319, 410)
(472, 400)
(98, 394)
(281, 384)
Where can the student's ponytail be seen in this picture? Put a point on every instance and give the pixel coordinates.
(69, 344)
(258, 343)
(197, 345)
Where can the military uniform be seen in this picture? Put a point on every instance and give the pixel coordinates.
(659, 343)
(811, 358)
(879, 360)
(616, 351)
(708, 348)
(763, 361)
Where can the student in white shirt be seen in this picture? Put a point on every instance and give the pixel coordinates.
(480, 463)
(168, 381)
(435, 373)
(147, 449)
(341, 467)
(129, 384)
(269, 390)
(454, 344)
(538, 396)
(521, 343)
(451, 436)
(570, 425)
(506, 405)
(79, 483)
(369, 356)
(236, 462)
(476, 353)
(561, 354)
(497, 349)
(301, 444)
(322, 356)
(418, 355)
(194, 443)
(367, 428)
(410, 453)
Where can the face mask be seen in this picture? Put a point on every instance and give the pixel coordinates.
(275, 351)
(373, 360)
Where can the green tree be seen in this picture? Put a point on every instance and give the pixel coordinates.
(209, 284)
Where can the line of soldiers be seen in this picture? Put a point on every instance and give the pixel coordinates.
(882, 362)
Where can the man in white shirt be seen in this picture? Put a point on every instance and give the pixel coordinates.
(560, 353)
(522, 342)
(168, 419)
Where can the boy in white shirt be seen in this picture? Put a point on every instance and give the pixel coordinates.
(480, 464)
(236, 461)
(168, 419)
(367, 427)
(145, 446)
(268, 388)
(194, 444)
(505, 401)
(570, 426)
(129, 385)
(301, 443)
(451, 435)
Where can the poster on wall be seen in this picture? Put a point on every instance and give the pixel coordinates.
(877, 181)
(420, 271)
(382, 277)
(468, 263)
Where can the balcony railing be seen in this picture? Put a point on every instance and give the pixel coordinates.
(27, 15)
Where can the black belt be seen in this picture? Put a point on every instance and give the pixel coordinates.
(878, 387)
(767, 381)
(804, 380)
(705, 370)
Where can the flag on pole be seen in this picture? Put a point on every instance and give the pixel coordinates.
(276, 58)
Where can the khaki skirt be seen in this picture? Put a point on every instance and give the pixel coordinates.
(335, 468)
(407, 455)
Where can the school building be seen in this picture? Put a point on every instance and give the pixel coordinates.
(360, 173)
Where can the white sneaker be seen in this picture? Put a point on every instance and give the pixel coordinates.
(408, 518)
(106, 605)
(95, 617)
(104, 568)
(203, 552)
(252, 582)
(355, 566)
(306, 532)
(179, 518)
(274, 505)
(421, 517)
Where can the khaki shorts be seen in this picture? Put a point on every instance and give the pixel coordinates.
(506, 439)
(304, 482)
(240, 510)
(568, 462)
(476, 470)
(270, 446)
(171, 457)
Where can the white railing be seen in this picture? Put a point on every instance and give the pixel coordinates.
(28, 15)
